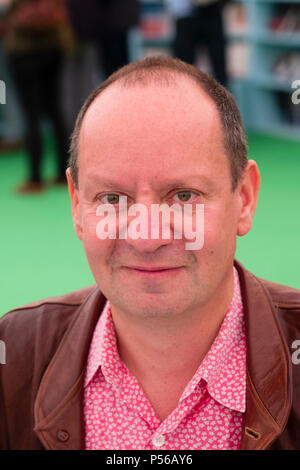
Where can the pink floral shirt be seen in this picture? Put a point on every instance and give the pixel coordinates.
(118, 416)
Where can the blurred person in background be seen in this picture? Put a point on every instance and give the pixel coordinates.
(200, 22)
(37, 37)
(105, 23)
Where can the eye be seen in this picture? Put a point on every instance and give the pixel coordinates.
(110, 198)
(185, 196)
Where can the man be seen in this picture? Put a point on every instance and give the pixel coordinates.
(174, 348)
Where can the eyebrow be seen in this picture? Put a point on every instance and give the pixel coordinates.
(188, 181)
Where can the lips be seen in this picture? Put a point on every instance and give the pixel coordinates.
(153, 272)
(152, 268)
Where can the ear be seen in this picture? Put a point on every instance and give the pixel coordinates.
(248, 191)
(75, 205)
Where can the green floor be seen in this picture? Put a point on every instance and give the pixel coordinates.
(40, 255)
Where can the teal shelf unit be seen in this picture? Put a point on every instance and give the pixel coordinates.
(263, 87)
(257, 94)
(138, 44)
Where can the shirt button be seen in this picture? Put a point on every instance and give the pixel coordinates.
(158, 440)
(62, 436)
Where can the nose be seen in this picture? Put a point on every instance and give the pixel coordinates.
(145, 232)
(147, 246)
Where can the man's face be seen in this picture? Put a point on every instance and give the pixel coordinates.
(157, 144)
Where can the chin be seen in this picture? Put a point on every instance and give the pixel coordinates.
(151, 306)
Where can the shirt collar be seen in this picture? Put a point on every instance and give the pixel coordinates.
(224, 366)
(104, 332)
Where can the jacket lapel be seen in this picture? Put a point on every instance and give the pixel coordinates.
(268, 391)
(58, 406)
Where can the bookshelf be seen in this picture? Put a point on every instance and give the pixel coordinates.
(263, 38)
(274, 41)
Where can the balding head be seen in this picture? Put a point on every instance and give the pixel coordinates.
(155, 137)
(165, 71)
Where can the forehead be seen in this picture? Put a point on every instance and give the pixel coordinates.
(152, 128)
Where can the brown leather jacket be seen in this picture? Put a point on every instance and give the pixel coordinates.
(46, 351)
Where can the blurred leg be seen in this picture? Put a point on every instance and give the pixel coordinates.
(24, 70)
(185, 41)
(216, 45)
(114, 52)
(51, 68)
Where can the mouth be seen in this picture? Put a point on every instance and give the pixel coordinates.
(153, 271)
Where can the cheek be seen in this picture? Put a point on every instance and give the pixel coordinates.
(97, 250)
(89, 225)
(220, 228)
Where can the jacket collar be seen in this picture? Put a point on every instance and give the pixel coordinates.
(58, 406)
(268, 389)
